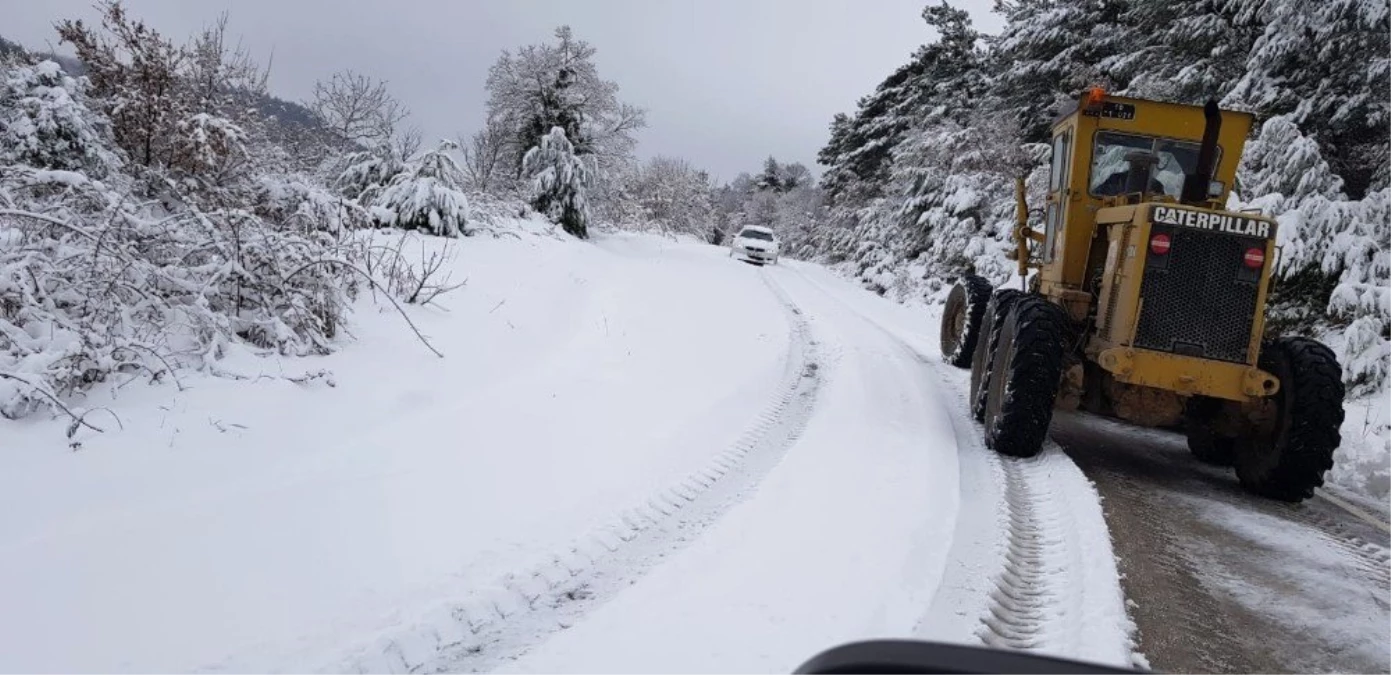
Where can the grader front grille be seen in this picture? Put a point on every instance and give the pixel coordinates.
(1199, 296)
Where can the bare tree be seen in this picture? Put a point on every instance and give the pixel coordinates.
(407, 143)
(178, 108)
(216, 71)
(135, 72)
(485, 156)
(358, 109)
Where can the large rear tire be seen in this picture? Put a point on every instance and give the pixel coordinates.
(1286, 455)
(1025, 376)
(984, 353)
(961, 319)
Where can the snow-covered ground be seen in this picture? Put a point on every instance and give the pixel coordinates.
(1362, 465)
(636, 454)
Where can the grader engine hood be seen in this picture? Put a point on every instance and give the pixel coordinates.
(1186, 286)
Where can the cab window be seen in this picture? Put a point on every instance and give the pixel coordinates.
(1174, 160)
(1058, 170)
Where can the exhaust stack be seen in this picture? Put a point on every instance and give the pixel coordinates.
(1195, 186)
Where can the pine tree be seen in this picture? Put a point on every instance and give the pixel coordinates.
(1185, 51)
(556, 107)
(1049, 51)
(1328, 65)
(771, 178)
(427, 194)
(559, 182)
(863, 144)
(557, 84)
(860, 150)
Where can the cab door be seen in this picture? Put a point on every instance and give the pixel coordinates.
(1055, 214)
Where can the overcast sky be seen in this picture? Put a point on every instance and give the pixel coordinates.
(725, 82)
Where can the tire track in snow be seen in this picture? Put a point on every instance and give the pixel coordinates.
(1057, 589)
(1020, 601)
(487, 628)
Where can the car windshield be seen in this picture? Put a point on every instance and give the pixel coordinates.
(1173, 161)
(756, 234)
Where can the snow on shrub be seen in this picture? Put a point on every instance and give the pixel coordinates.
(44, 122)
(205, 142)
(298, 201)
(360, 173)
(92, 286)
(98, 280)
(427, 195)
(117, 269)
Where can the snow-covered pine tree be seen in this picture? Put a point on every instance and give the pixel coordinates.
(1186, 51)
(361, 175)
(943, 174)
(557, 84)
(559, 182)
(1328, 65)
(770, 179)
(857, 157)
(45, 123)
(1283, 171)
(1048, 52)
(1362, 297)
(427, 195)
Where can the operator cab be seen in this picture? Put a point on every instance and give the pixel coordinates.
(1111, 151)
(1116, 154)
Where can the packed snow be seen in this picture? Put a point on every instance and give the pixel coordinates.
(311, 513)
(1299, 576)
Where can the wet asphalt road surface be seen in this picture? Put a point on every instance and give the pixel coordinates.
(1220, 581)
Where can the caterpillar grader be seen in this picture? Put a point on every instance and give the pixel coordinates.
(1145, 301)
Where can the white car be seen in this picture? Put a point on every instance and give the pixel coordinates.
(756, 244)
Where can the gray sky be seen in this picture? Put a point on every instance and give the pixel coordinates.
(725, 82)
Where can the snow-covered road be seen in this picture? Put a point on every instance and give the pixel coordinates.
(638, 455)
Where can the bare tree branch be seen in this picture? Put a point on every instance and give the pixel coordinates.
(358, 109)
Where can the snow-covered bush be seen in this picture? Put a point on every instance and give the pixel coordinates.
(559, 182)
(427, 195)
(115, 264)
(665, 195)
(208, 145)
(365, 172)
(44, 122)
(95, 285)
(297, 201)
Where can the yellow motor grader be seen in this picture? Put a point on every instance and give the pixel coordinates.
(1148, 303)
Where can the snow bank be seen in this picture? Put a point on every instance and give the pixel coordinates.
(1362, 463)
(288, 518)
